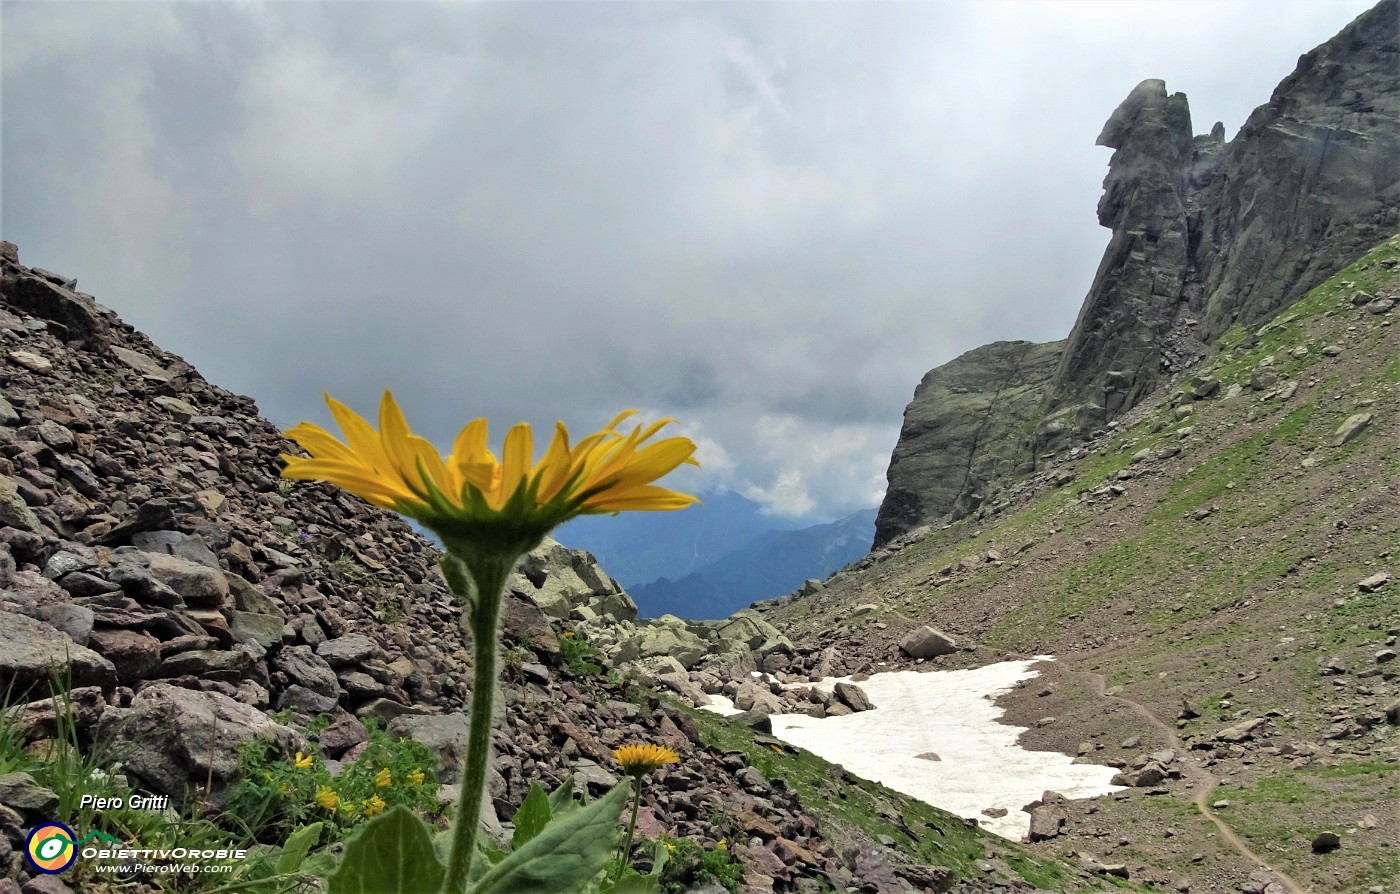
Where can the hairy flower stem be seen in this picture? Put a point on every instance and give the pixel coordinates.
(631, 828)
(489, 572)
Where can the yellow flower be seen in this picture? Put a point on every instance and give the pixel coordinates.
(416, 777)
(303, 761)
(374, 805)
(327, 798)
(382, 778)
(637, 760)
(393, 468)
(670, 847)
(568, 634)
(721, 845)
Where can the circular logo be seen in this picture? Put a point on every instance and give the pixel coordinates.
(51, 847)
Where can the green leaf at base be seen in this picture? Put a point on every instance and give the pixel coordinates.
(297, 847)
(562, 858)
(531, 818)
(393, 855)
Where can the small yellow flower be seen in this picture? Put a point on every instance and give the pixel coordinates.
(721, 845)
(638, 760)
(458, 494)
(416, 777)
(327, 798)
(374, 805)
(568, 634)
(670, 847)
(303, 761)
(382, 778)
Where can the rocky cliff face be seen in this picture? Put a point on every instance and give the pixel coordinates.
(967, 426)
(1206, 235)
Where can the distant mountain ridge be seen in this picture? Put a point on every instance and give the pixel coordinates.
(640, 547)
(775, 563)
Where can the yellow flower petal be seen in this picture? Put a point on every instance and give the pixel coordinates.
(468, 494)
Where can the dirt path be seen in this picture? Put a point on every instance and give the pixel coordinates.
(1202, 783)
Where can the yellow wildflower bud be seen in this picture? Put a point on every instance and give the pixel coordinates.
(416, 777)
(303, 761)
(374, 805)
(721, 845)
(383, 778)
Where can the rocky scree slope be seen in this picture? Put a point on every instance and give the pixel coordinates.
(1216, 576)
(1206, 234)
(147, 543)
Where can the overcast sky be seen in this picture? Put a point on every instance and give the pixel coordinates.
(766, 220)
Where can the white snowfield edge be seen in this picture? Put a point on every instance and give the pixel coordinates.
(950, 714)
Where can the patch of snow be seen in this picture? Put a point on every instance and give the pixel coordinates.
(952, 715)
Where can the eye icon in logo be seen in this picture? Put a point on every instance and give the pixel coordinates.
(51, 847)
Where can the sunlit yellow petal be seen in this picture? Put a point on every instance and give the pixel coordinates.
(554, 468)
(359, 435)
(650, 498)
(318, 442)
(656, 460)
(515, 462)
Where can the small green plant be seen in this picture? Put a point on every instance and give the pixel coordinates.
(690, 864)
(13, 757)
(346, 568)
(581, 658)
(278, 793)
(388, 605)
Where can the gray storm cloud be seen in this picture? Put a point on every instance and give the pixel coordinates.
(768, 220)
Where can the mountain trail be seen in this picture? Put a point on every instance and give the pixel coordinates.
(1202, 783)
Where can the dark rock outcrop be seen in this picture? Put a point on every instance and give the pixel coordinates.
(965, 427)
(1206, 235)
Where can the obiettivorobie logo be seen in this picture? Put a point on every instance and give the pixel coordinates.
(52, 848)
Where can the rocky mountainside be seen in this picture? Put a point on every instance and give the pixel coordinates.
(1206, 234)
(1215, 577)
(152, 560)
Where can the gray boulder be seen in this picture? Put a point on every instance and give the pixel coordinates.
(32, 652)
(178, 738)
(927, 642)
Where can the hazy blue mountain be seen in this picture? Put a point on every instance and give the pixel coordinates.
(640, 547)
(772, 564)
